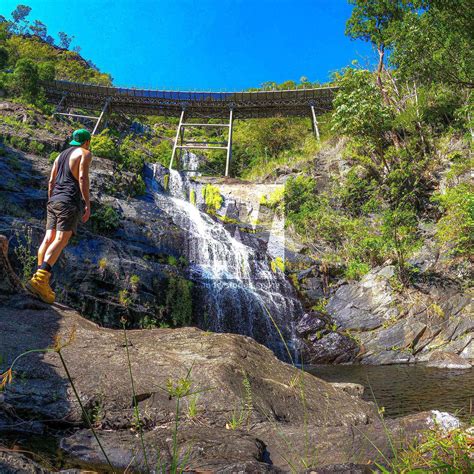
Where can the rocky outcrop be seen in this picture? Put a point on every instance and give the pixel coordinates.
(16, 463)
(97, 265)
(374, 321)
(447, 360)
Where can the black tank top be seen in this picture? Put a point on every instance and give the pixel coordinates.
(66, 188)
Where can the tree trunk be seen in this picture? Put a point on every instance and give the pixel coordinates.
(9, 282)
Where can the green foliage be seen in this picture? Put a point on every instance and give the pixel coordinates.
(241, 414)
(37, 148)
(25, 80)
(275, 200)
(455, 229)
(162, 152)
(212, 198)
(3, 57)
(359, 111)
(134, 280)
(435, 451)
(46, 71)
(24, 254)
(104, 219)
(52, 156)
(131, 158)
(258, 143)
(124, 297)
(104, 145)
(399, 230)
(179, 301)
(192, 197)
(435, 44)
(277, 264)
(355, 270)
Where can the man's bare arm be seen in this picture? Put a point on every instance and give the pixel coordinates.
(84, 183)
(52, 178)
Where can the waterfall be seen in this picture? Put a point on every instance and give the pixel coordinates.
(240, 290)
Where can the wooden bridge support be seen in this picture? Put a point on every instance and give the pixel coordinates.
(315, 123)
(180, 143)
(98, 119)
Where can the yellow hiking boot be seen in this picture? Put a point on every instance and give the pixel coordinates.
(39, 285)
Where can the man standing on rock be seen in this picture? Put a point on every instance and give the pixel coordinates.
(69, 201)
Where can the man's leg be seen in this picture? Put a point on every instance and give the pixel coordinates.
(56, 247)
(39, 284)
(47, 241)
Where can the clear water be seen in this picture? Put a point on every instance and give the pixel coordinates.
(406, 389)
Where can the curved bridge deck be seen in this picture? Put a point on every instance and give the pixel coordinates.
(231, 105)
(198, 104)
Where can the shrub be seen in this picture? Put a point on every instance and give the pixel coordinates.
(103, 145)
(162, 152)
(179, 301)
(105, 220)
(455, 229)
(36, 148)
(25, 80)
(52, 156)
(277, 264)
(355, 270)
(124, 297)
(212, 198)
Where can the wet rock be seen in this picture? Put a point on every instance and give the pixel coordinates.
(310, 323)
(333, 348)
(447, 360)
(354, 389)
(15, 463)
(403, 328)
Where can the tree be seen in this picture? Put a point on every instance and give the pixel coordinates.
(19, 15)
(65, 40)
(373, 21)
(26, 79)
(3, 57)
(46, 71)
(436, 43)
(39, 29)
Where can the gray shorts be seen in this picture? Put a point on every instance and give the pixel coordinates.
(62, 216)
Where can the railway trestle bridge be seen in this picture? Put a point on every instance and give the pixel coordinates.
(186, 105)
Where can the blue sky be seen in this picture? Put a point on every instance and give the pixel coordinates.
(204, 44)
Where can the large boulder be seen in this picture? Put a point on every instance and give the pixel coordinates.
(364, 305)
(333, 348)
(447, 360)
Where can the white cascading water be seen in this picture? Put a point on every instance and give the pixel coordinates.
(241, 293)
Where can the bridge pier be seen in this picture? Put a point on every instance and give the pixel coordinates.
(229, 142)
(186, 144)
(315, 123)
(88, 117)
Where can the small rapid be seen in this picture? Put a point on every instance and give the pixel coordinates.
(240, 292)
